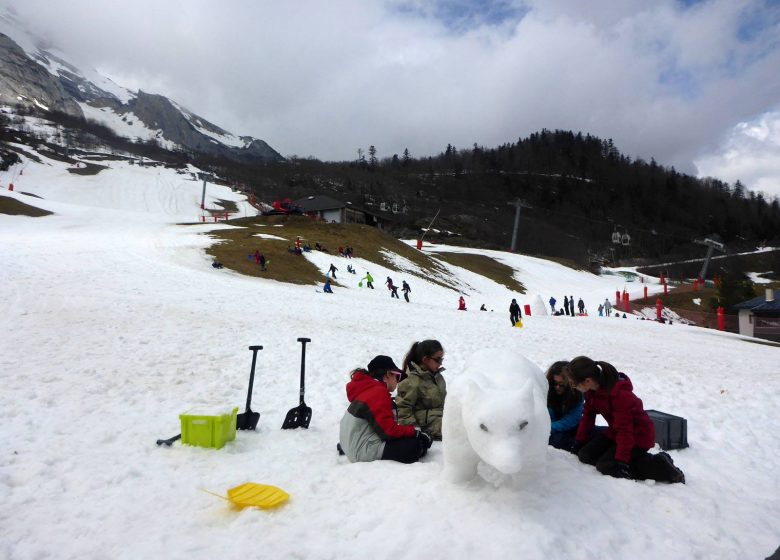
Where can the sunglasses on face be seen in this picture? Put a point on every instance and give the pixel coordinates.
(438, 360)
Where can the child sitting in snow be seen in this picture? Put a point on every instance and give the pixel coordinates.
(621, 450)
(421, 393)
(564, 404)
(368, 429)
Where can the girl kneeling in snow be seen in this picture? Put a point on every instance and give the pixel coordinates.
(369, 430)
(621, 450)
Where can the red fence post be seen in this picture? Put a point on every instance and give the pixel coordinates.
(645, 294)
(721, 318)
(666, 289)
(617, 298)
(626, 304)
(658, 307)
(419, 244)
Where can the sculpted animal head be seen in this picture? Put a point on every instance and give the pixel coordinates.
(504, 409)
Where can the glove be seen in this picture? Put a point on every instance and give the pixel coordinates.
(621, 470)
(425, 439)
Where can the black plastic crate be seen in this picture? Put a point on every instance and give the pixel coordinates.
(671, 432)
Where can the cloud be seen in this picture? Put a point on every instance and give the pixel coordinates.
(663, 79)
(750, 153)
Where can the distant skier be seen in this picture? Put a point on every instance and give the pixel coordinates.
(566, 305)
(514, 312)
(405, 289)
(332, 270)
(553, 301)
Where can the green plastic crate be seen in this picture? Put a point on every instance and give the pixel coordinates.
(206, 428)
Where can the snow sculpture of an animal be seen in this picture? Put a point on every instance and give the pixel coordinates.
(496, 412)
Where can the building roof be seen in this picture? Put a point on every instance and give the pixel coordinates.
(319, 202)
(760, 304)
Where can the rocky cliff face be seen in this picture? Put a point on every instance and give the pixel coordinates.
(22, 80)
(184, 129)
(47, 81)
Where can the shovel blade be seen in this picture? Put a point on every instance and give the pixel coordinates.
(298, 417)
(247, 420)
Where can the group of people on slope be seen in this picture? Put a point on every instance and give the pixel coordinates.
(568, 306)
(405, 288)
(376, 426)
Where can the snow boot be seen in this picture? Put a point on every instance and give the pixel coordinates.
(674, 474)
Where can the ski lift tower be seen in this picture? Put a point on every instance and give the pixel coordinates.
(518, 204)
(712, 242)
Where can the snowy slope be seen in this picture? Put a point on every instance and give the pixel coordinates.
(114, 323)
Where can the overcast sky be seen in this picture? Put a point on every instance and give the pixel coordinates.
(694, 84)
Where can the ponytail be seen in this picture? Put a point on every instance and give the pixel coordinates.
(421, 349)
(582, 367)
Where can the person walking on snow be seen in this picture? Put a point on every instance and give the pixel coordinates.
(571, 305)
(392, 287)
(369, 280)
(607, 307)
(332, 270)
(405, 289)
(553, 301)
(581, 306)
(566, 305)
(514, 312)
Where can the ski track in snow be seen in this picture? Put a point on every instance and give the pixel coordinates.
(114, 323)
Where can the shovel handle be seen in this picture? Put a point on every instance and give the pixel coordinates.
(303, 342)
(254, 350)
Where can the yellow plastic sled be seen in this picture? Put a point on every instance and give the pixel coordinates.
(519, 324)
(252, 494)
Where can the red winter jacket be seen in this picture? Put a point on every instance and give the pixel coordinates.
(629, 424)
(370, 400)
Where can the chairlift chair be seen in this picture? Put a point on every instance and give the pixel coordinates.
(625, 239)
(616, 237)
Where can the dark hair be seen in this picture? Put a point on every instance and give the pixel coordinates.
(378, 374)
(421, 349)
(570, 398)
(582, 367)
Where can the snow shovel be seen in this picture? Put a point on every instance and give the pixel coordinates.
(248, 420)
(300, 416)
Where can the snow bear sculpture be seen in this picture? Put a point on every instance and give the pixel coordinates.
(496, 412)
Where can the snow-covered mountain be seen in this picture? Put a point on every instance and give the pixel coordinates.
(48, 79)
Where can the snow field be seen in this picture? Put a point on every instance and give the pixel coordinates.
(113, 323)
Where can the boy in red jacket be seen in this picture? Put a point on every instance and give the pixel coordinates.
(621, 450)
